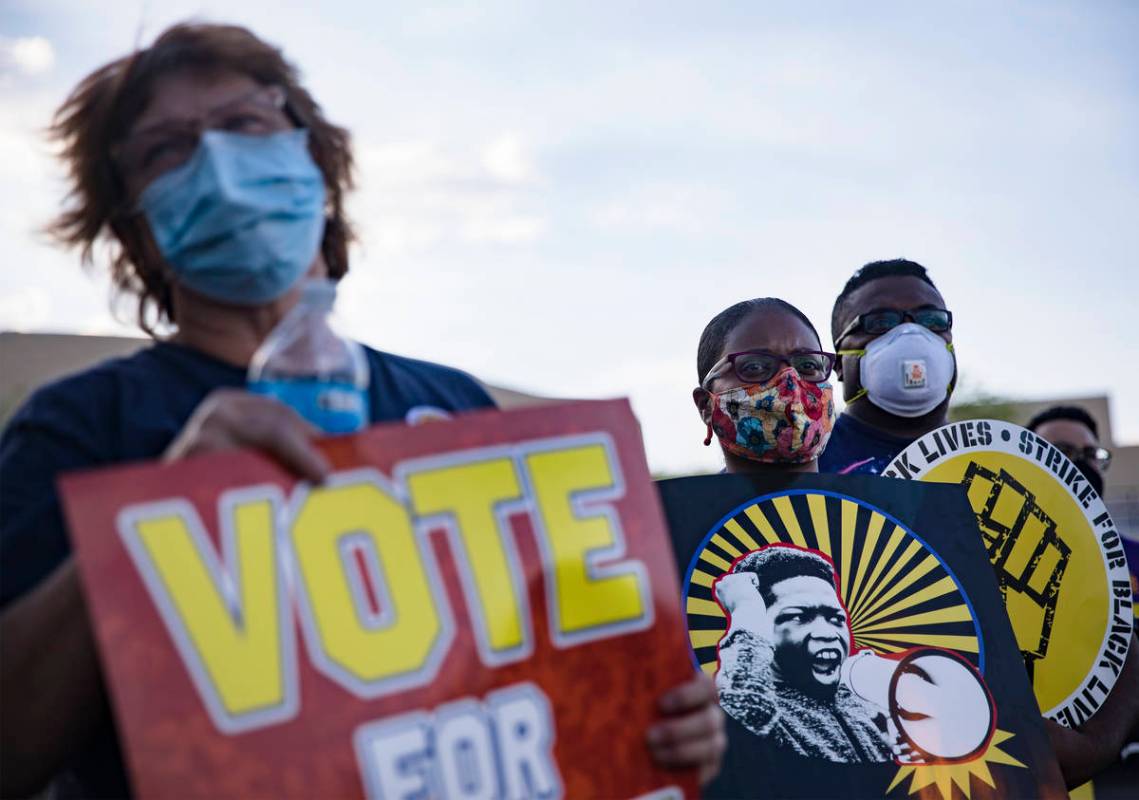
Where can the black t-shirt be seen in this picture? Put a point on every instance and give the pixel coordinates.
(130, 409)
(857, 449)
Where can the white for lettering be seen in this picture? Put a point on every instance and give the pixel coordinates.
(526, 738)
(462, 749)
(398, 760)
(465, 752)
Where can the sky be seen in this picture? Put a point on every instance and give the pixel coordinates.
(558, 197)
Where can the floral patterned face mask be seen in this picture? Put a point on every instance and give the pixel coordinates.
(784, 421)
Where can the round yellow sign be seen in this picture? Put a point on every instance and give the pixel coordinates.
(1057, 554)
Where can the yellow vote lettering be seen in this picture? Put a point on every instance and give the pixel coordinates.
(369, 657)
(472, 495)
(355, 556)
(587, 600)
(227, 624)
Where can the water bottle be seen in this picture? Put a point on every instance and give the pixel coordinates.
(306, 366)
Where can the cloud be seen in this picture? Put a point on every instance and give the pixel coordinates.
(404, 163)
(26, 309)
(655, 206)
(420, 194)
(504, 229)
(506, 160)
(29, 56)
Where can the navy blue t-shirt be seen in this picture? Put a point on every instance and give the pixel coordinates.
(857, 449)
(129, 409)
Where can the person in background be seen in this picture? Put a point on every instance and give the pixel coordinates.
(218, 185)
(893, 333)
(1074, 432)
(763, 389)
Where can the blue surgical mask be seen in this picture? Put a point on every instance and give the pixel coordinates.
(241, 221)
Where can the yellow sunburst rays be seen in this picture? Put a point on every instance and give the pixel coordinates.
(735, 541)
(929, 780)
(871, 592)
(817, 504)
(757, 518)
(865, 555)
(877, 595)
(913, 564)
(849, 517)
(790, 520)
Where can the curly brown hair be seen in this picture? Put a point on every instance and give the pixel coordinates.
(99, 113)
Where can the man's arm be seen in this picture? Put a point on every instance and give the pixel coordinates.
(1086, 751)
(744, 679)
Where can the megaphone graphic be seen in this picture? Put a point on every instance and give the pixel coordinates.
(937, 702)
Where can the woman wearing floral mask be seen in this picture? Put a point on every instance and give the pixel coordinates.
(764, 390)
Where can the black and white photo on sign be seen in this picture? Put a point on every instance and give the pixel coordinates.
(789, 673)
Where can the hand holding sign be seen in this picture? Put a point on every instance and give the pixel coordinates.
(229, 419)
(693, 734)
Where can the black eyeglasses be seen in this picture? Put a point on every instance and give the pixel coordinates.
(759, 366)
(1100, 456)
(877, 322)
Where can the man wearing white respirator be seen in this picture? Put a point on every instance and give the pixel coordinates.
(893, 335)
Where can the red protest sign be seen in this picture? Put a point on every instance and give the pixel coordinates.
(480, 607)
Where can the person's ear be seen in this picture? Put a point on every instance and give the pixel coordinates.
(838, 367)
(703, 401)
